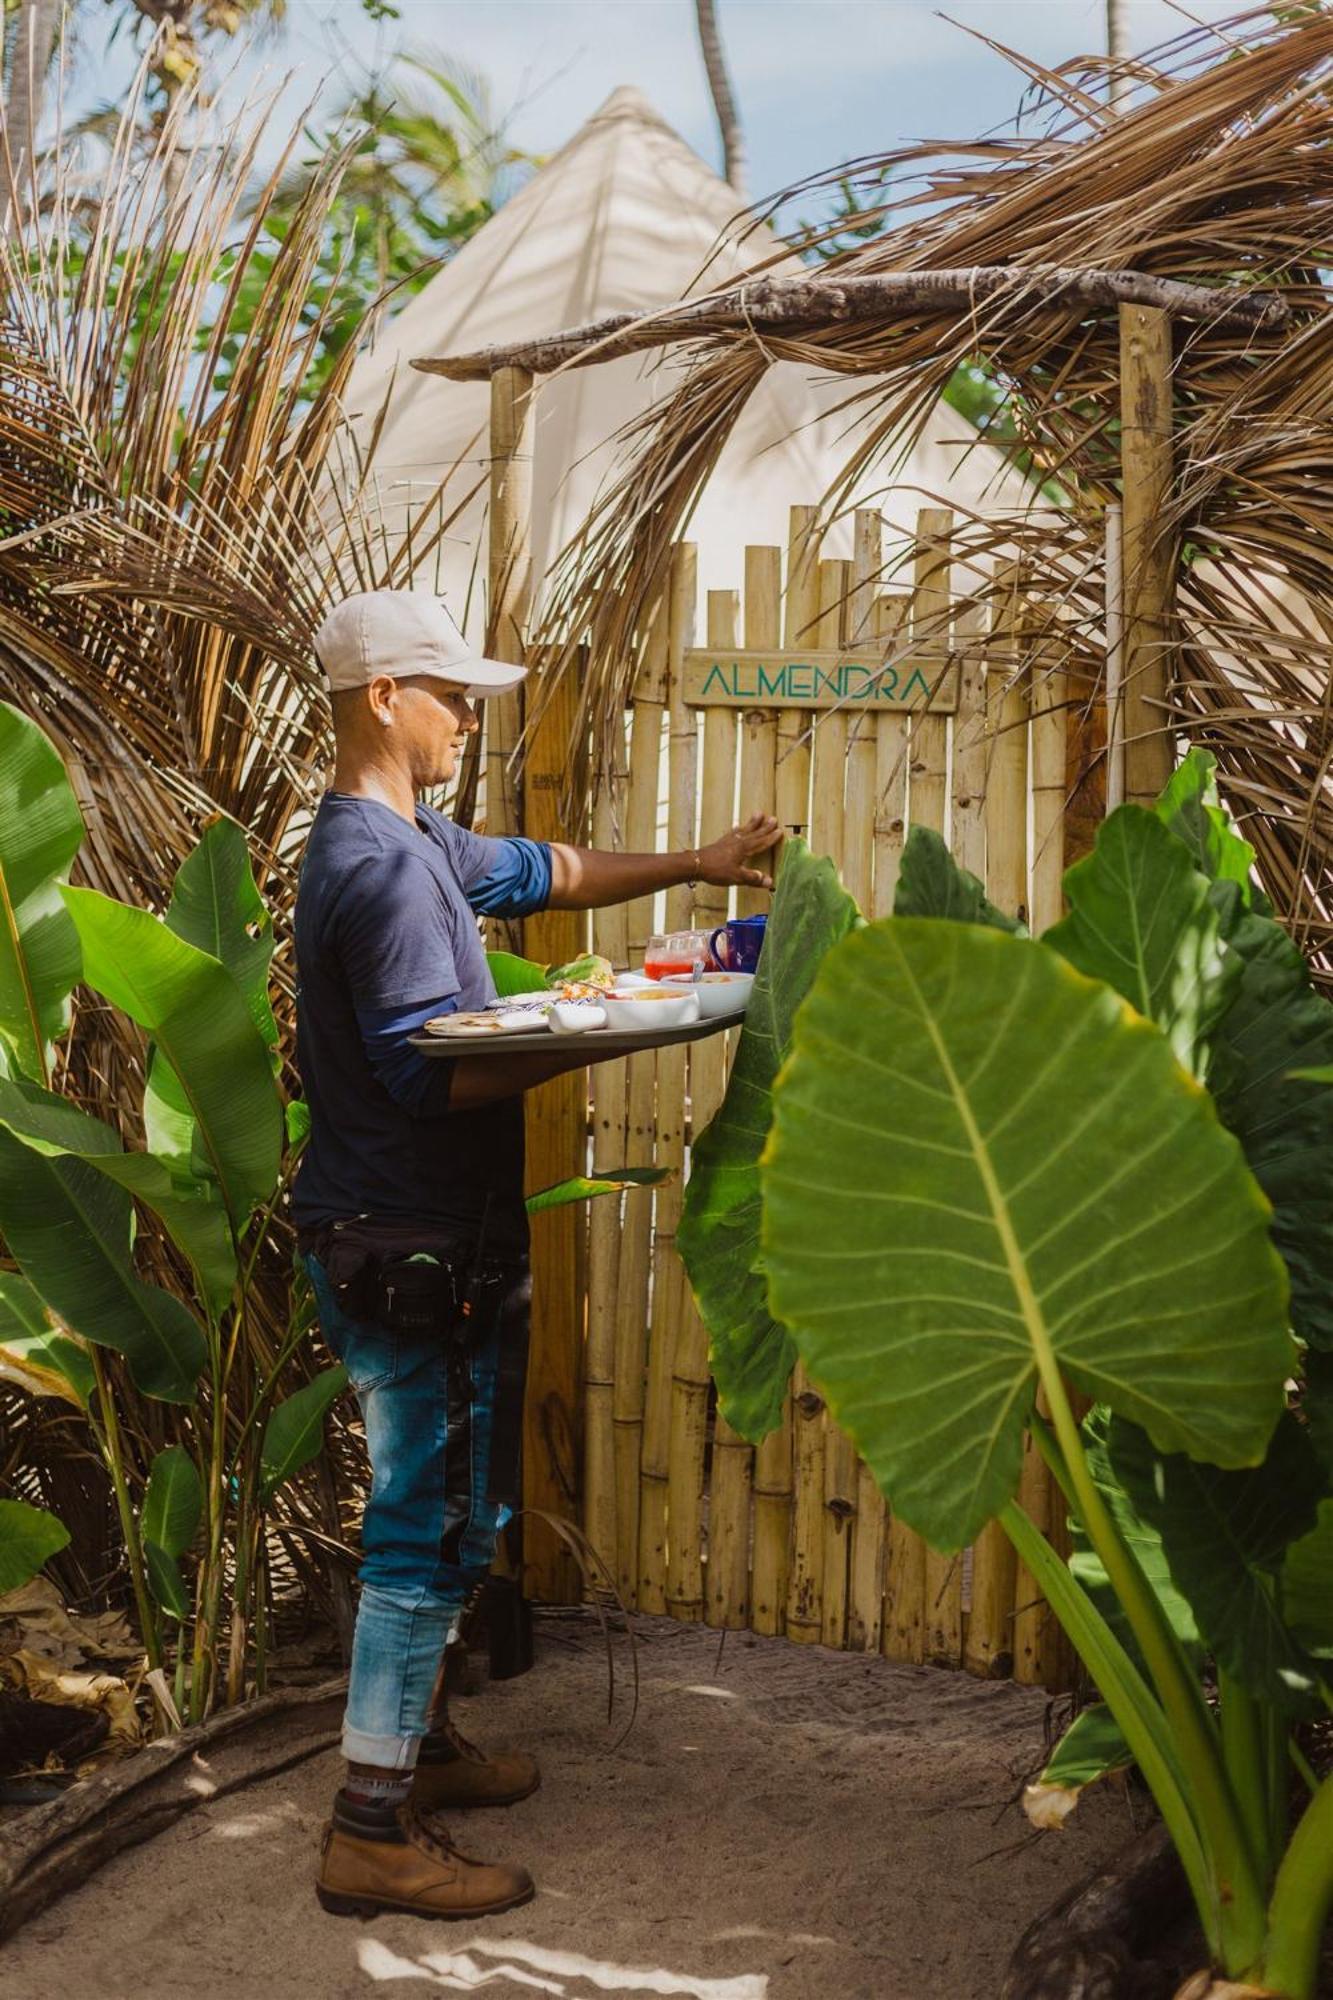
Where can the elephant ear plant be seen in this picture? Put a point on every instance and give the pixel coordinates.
(208, 1179)
(1086, 1166)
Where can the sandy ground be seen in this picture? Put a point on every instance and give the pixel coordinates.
(786, 1823)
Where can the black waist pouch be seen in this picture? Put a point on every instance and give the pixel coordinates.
(399, 1276)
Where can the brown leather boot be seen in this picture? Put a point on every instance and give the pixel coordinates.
(415, 1868)
(466, 1776)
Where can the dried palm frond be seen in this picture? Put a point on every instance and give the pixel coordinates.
(1221, 175)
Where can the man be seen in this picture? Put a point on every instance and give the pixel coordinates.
(409, 1207)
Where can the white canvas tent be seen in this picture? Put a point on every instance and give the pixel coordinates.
(625, 216)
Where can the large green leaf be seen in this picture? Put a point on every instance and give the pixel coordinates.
(36, 1352)
(605, 1180)
(1141, 918)
(165, 1580)
(1279, 1024)
(202, 1027)
(216, 906)
(28, 1536)
(931, 884)
(41, 829)
(1307, 1584)
(173, 1501)
(193, 1217)
(1225, 1536)
(718, 1234)
(69, 1227)
(981, 1159)
(295, 1430)
(1189, 807)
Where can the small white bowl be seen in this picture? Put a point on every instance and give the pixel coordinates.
(575, 1017)
(654, 1010)
(719, 992)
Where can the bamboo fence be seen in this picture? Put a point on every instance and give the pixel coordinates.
(793, 1536)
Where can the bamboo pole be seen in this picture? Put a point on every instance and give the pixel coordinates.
(631, 1304)
(865, 1581)
(800, 612)
(1115, 655)
(556, 1120)
(1149, 558)
(509, 525)
(667, 1276)
(805, 1605)
(828, 831)
(609, 936)
(773, 1455)
(759, 726)
(707, 1081)
(890, 766)
(967, 839)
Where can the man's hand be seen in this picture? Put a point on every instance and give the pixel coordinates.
(727, 863)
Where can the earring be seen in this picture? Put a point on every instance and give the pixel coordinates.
(386, 720)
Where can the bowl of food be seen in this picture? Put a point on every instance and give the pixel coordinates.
(718, 992)
(643, 1008)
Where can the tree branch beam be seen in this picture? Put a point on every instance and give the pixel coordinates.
(814, 304)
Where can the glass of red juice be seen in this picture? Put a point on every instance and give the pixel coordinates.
(676, 953)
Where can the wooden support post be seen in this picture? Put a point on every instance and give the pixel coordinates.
(800, 613)
(967, 839)
(510, 580)
(609, 933)
(668, 1279)
(890, 766)
(1149, 554)
(773, 1455)
(556, 1117)
(929, 734)
(631, 1305)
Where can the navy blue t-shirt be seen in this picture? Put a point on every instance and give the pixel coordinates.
(386, 935)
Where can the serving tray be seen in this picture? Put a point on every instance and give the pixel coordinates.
(602, 1041)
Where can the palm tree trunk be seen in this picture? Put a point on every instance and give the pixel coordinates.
(1117, 48)
(25, 91)
(724, 103)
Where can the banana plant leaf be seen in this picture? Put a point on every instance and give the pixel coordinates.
(1225, 1536)
(294, 1432)
(216, 906)
(515, 975)
(1277, 1027)
(28, 1537)
(931, 884)
(607, 1180)
(70, 1228)
(981, 1160)
(173, 1502)
(296, 1117)
(1141, 918)
(41, 831)
(201, 1025)
(1091, 1748)
(750, 1351)
(37, 1354)
(194, 1218)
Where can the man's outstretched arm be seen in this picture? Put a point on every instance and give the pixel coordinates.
(587, 878)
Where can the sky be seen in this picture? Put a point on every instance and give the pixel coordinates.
(819, 81)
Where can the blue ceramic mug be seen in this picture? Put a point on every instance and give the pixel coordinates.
(742, 941)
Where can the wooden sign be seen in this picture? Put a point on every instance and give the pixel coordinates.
(916, 678)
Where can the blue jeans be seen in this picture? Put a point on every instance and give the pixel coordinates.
(439, 1495)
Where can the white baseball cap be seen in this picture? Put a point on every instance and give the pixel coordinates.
(401, 633)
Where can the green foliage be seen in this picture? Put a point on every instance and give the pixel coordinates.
(1141, 918)
(295, 1430)
(173, 1505)
(1189, 808)
(203, 1031)
(515, 975)
(1092, 1747)
(718, 1236)
(34, 1352)
(28, 1536)
(939, 1237)
(608, 1180)
(216, 906)
(931, 884)
(41, 829)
